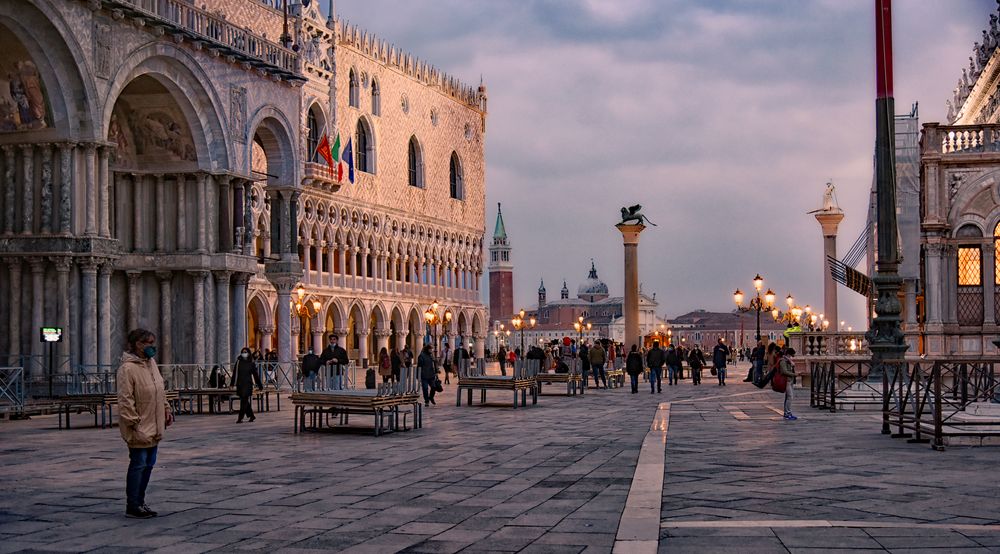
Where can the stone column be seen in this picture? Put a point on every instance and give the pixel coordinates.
(480, 345)
(38, 295)
(211, 356)
(226, 234)
(88, 311)
(161, 214)
(331, 264)
(10, 192)
(266, 334)
(284, 327)
(139, 240)
(829, 219)
(239, 330)
(401, 339)
(198, 314)
(989, 284)
(166, 317)
(133, 298)
(630, 237)
(104, 191)
(47, 191)
(306, 253)
(63, 265)
(202, 212)
(382, 340)
(89, 167)
(951, 282)
(28, 201)
(934, 288)
(104, 349)
(342, 254)
(317, 336)
(181, 212)
(341, 333)
(363, 347)
(223, 346)
(65, 186)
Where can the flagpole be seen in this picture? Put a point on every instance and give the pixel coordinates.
(885, 336)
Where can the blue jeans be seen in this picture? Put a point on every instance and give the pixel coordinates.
(721, 374)
(634, 377)
(310, 382)
(140, 466)
(599, 374)
(673, 374)
(655, 375)
(758, 370)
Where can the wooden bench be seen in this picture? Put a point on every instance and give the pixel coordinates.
(101, 405)
(195, 399)
(385, 409)
(522, 381)
(616, 377)
(574, 382)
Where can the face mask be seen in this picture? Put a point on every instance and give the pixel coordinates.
(149, 351)
(245, 355)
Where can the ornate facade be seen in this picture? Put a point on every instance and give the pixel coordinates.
(159, 170)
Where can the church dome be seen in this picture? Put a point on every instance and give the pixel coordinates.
(592, 288)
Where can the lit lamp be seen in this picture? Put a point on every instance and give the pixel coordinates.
(434, 319)
(757, 303)
(520, 323)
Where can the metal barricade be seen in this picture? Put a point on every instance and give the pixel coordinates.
(12, 390)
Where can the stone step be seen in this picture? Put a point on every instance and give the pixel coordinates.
(990, 409)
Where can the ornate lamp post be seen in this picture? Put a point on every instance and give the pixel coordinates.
(434, 319)
(757, 303)
(520, 323)
(579, 326)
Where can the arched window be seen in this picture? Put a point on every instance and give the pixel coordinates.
(455, 178)
(312, 139)
(364, 146)
(376, 98)
(970, 276)
(355, 91)
(414, 164)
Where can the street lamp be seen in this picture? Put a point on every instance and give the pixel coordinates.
(520, 323)
(670, 336)
(579, 326)
(757, 303)
(434, 319)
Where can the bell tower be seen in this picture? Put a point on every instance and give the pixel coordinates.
(501, 274)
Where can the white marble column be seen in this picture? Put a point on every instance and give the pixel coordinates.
(363, 354)
(317, 335)
(28, 188)
(381, 341)
(266, 336)
(934, 288)
(38, 295)
(133, 299)
(284, 328)
(47, 190)
(90, 180)
(63, 265)
(239, 330)
(202, 183)
(211, 354)
(223, 347)
(104, 349)
(10, 190)
(306, 253)
(198, 314)
(88, 311)
(161, 214)
(182, 244)
(331, 276)
(342, 254)
(166, 317)
(104, 191)
(140, 242)
(341, 334)
(480, 345)
(66, 174)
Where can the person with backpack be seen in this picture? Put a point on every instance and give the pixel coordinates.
(384, 365)
(673, 361)
(655, 359)
(720, 355)
(428, 374)
(697, 361)
(597, 359)
(786, 369)
(633, 366)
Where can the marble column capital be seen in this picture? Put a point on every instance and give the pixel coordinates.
(37, 265)
(107, 268)
(383, 333)
(62, 263)
(89, 264)
(165, 275)
(222, 276)
(242, 278)
(200, 274)
(340, 331)
(133, 276)
(267, 330)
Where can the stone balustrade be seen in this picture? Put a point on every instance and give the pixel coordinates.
(830, 344)
(962, 139)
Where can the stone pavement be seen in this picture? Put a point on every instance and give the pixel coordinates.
(548, 478)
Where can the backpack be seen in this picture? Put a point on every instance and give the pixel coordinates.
(370, 378)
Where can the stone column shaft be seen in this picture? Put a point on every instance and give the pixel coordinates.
(166, 317)
(104, 191)
(47, 191)
(90, 178)
(10, 189)
(14, 322)
(222, 317)
(284, 327)
(88, 311)
(226, 234)
(181, 212)
(198, 315)
(104, 353)
(66, 151)
(161, 215)
(37, 314)
(630, 236)
(133, 299)
(989, 284)
(140, 242)
(202, 212)
(28, 188)
(306, 255)
(239, 331)
(63, 265)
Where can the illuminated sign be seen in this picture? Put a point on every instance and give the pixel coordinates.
(52, 334)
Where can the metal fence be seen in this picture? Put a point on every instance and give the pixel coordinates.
(12, 390)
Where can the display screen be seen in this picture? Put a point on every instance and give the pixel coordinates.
(52, 334)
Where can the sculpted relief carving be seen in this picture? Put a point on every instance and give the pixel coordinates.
(23, 104)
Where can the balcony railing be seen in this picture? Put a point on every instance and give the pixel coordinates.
(199, 24)
(830, 344)
(961, 139)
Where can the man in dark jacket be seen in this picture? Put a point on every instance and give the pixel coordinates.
(633, 366)
(310, 368)
(458, 360)
(335, 356)
(673, 360)
(655, 359)
(720, 355)
(428, 373)
(756, 372)
(697, 361)
(584, 361)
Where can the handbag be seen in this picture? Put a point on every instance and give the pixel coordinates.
(715, 371)
(437, 385)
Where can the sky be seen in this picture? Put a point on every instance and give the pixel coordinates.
(723, 118)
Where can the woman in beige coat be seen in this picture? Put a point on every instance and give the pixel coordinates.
(143, 414)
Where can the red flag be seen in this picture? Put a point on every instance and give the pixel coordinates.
(340, 171)
(324, 150)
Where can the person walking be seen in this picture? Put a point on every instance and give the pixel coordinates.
(697, 361)
(459, 358)
(720, 355)
(143, 415)
(597, 359)
(446, 360)
(673, 361)
(633, 366)
(396, 362)
(756, 363)
(655, 359)
(245, 376)
(384, 365)
(502, 358)
(584, 355)
(310, 370)
(335, 357)
(428, 373)
(786, 365)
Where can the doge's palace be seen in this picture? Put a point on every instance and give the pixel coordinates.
(160, 170)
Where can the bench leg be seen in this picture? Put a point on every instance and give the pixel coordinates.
(482, 399)
(458, 396)
(515, 399)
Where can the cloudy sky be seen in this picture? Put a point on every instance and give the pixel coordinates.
(723, 118)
